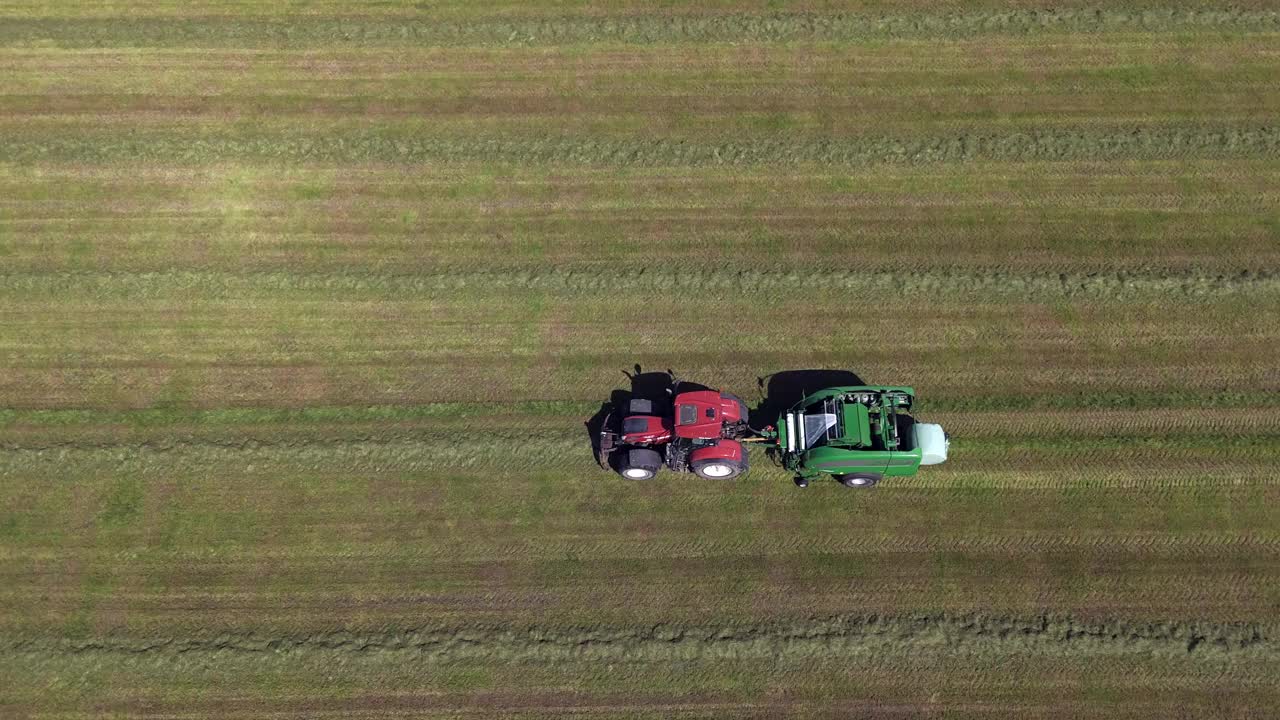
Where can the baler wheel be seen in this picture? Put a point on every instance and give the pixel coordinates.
(858, 480)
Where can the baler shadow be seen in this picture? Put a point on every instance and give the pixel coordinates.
(784, 389)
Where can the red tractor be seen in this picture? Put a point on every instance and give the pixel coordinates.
(700, 431)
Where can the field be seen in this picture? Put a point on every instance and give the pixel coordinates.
(302, 312)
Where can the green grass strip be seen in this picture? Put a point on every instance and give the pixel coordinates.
(818, 637)
(641, 29)
(995, 284)
(412, 145)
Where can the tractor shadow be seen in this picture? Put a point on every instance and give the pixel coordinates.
(659, 386)
(784, 389)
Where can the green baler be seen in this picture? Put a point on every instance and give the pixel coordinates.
(857, 434)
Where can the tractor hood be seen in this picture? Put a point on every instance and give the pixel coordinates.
(701, 414)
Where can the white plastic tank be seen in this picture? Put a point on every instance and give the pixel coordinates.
(932, 443)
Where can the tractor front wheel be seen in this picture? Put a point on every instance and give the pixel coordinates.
(640, 464)
(718, 469)
(858, 480)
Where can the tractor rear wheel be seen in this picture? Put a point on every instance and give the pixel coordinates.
(718, 469)
(858, 480)
(640, 464)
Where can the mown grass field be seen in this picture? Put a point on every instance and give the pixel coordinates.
(303, 307)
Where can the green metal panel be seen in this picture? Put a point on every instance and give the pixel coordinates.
(857, 424)
(839, 460)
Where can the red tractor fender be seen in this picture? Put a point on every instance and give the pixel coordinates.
(731, 450)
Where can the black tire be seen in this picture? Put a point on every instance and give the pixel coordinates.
(859, 480)
(719, 469)
(640, 464)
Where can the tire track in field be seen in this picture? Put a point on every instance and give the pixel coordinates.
(390, 145)
(553, 436)
(1155, 464)
(1028, 543)
(1208, 545)
(298, 604)
(1111, 423)
(1083, 435)
(841, 636)
(634, 29)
